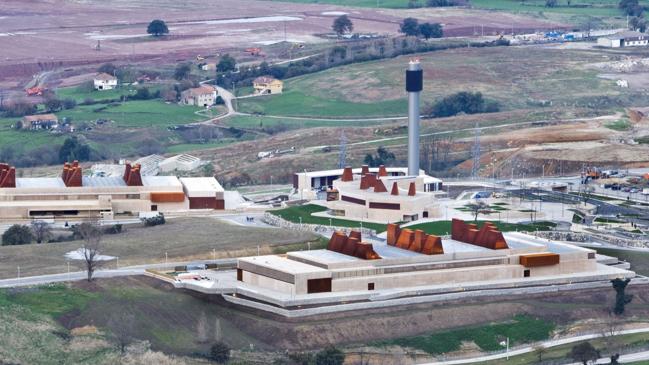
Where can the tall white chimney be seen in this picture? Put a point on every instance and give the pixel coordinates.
(414, 85)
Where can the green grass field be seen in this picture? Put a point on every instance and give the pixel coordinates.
(80, 94)
(396, 4)
(521, 329)
(639, 260)
(297, 103)
(444, 227)
(135, 114)
(293, 214)
(518, 78)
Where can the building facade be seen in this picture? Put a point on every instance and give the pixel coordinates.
(267, 85)
(75, 195)
(104, 81)
(203, 96)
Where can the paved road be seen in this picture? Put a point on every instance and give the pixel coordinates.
(106, 273)
(546, 344)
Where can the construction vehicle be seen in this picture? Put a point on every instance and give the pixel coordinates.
(35, 91)
(254, 51)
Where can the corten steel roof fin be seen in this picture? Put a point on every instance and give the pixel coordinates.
(395, 189)
(347, 174)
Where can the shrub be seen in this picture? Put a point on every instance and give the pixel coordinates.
(463, 102)
(219, 352)
(17, 235)
(154, 221)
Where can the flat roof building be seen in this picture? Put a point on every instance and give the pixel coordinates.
(75, 195)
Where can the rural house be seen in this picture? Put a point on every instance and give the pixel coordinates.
(39, 121)
(624, 39)
(267, 85)
(104, 81)
(203, 95)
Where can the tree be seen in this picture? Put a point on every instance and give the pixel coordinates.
(208, 170)
(42, 231)
(157, 28)
(91, 234)
(409, 26)
(122, 328)
(638, 23)
(53, 104)
(69, 103)
(73, 149)
(19, 109)
(342, 25)
(584, 352)
(226, 63)
(108, 68)
(330, 356)
(219, 352)
(182, 71)
(202, 328)
(550, 3)
(17, 235)
(463, 102)
(383, 157)
(621, 299)
(540, 350)
(431, 30)
(440, 3)
(478, 207)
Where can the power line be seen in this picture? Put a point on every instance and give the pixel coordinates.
(342, 157)
(475, 169)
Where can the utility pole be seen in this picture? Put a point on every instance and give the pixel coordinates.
(475, 169)
(342, 155)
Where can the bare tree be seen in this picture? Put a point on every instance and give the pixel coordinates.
(91, 234)
(540, 350)
(42, 231)
(122, 327)
(478, 207)
(610, 328)
(202, 328)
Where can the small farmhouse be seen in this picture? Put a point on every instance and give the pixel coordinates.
(267, 85)
(104, 81)
(39, 121)
(203, 95)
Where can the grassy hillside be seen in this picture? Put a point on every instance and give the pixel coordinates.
(515, 77)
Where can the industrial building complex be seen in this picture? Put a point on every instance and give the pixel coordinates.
(74, 195)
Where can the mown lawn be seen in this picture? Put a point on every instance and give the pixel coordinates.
(80, 94)
(299, 104)
(136, 113)
(293, 214)
(444, 227)
(521, 329)
(639, 260)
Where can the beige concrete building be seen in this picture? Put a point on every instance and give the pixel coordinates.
(267, 85)
(526, 259)
(74, 195)
(312, 185)
(204, 96)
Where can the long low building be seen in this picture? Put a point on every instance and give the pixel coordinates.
(74, 195)
(308, 184)
(409, 267)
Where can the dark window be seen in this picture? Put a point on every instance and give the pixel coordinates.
(370, 286)
(526, 273)
(352, 200)
(425, 214)
(391, 206)
(154, 208)
(318, 285)
(591, 255)
(239, 275)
